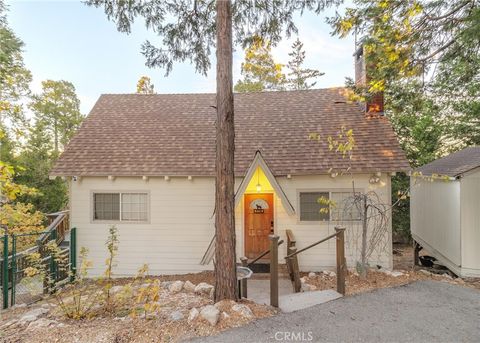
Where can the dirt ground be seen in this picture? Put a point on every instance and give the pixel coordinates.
(121, 325)
(161, 328)
(402, 262)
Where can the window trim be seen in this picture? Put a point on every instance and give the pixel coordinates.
(120, 221)
(319, 190)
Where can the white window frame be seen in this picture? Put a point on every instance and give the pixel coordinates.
(119, 221)
(323, 190)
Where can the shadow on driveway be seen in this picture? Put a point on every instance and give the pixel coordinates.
(424, 311)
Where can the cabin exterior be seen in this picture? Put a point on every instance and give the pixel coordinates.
(145, 163)
(445, 210)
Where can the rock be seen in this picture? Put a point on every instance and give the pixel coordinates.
(192, 315)
(244, 310)
(392, 273)
(448, 276)
(211, 314)
(224, 304)
(176, 316)
(203, 288)
(116, 289)
(41, 323)
(32, 315)
(165, 284)
(329, 273)
(311, 275)
(212, 293)
(303, 279)
(189, 287)
(396, 273)
(176, 287)
(8, 324)
(426, 272)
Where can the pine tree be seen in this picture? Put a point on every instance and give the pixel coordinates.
(189, 30)
(298, 77)
(145, 86)
(58, 108)
(260, 72)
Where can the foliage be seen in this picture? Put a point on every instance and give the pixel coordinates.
(260, 72)
(88, 298)
(14, 77)
(112, 248)
(402, 38)
(298, 77)
(10, 190)
(417, 124)
(188, 31)
(57, 110)
(187, 28)
(37, 158)
(145, 86)
(426, 54)
(401, 212)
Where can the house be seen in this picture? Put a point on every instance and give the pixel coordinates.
(146, 164)
(445, 210)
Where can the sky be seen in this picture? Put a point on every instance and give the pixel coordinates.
(67, 40)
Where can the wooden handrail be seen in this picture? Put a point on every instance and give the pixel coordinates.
(292, 260)
(263, 254)
(290, 237)
(59, 224)
(312, 245)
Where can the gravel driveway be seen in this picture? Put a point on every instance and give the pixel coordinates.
(424, 311)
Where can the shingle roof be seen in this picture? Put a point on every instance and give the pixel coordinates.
(454, 164)
(174, 134)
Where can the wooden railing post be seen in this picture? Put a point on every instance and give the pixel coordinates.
(243, 285)
(297, 284)
(290, 244)
(341, 262)
(273, 270)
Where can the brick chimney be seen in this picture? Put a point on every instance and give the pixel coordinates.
(374, 103)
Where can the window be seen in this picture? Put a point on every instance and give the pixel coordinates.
(120, 206)
(328, 206)
(311, 207)
(107, 206)
(345, 208)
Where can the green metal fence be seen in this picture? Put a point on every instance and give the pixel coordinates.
(13, 265)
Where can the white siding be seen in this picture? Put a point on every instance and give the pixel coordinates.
(181, 224)
(435, 216)
(323, 256)
(173, 241)
(470, 219)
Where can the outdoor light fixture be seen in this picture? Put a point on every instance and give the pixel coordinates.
(259, 186)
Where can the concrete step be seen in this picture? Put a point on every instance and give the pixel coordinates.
(298, 301)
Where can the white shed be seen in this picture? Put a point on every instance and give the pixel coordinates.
(445, 210)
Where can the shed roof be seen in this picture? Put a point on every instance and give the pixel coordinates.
(174, 134)
(454, 164)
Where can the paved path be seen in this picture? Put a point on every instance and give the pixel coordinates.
(425, 311)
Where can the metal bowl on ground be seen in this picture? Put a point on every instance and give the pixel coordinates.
(243, 273)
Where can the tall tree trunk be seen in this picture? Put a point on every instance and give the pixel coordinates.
(225, 260)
